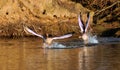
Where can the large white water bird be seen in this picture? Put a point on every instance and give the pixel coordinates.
(86, 36)
(47, 40)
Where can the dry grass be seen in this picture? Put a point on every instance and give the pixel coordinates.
(57, 28)
(105, 10)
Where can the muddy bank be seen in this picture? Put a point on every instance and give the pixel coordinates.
(56, 17)
(58, 27)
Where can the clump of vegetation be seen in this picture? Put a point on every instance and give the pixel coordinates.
(105, 10)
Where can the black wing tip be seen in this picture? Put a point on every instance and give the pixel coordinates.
(72, 32)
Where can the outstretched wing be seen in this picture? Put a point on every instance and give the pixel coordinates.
(80, 24)
(32, 32)
(86, 28)
(62, 37)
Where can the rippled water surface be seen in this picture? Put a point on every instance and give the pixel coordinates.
(27, 54)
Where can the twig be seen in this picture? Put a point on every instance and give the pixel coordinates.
(98, 12)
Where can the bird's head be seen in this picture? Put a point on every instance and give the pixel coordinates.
(47, 36)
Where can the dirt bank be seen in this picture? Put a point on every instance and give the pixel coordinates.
(55, 17)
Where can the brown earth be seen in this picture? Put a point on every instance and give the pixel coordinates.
(56, 17)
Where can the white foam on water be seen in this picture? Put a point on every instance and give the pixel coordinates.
(57, 45)
(92, 39)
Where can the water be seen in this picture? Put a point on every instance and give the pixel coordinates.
(92, 39)
(27, 54)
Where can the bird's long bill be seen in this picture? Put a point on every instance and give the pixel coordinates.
(32, 32)
(80, 24)
(88, 21)
(62, 37)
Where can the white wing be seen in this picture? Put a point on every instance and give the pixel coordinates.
(30, 31)
(87, 24)
(62, 37)
(80, 24)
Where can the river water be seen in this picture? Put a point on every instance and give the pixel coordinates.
(27, 54)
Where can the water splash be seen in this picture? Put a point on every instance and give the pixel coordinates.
(92, 39)
(57, 45)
